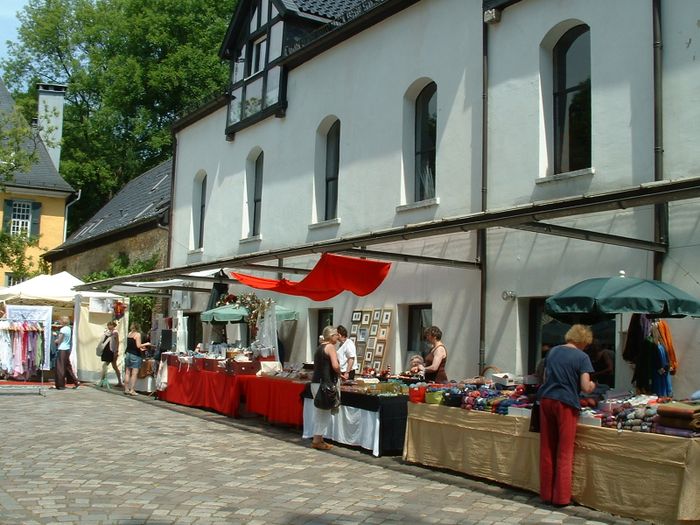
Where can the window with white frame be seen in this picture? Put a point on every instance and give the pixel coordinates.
(425, 138)
(571, 59)
(255, 195)
(21, 221)
(331, 171)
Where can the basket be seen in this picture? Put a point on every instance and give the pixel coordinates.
(416, 394)
(435, 398)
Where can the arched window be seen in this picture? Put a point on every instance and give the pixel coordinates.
(199, 205)
(572, 100)
(332, 168)
(256, 207)
(425, 141)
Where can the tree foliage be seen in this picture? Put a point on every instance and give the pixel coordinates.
(140, 308)
(131, 67)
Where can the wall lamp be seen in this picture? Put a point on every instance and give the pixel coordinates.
(509, 295)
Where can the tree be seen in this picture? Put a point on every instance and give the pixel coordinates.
(131, 67)
(140, 308)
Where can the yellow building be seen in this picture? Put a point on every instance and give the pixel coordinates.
(35, 202)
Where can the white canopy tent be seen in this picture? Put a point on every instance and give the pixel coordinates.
(91, 312)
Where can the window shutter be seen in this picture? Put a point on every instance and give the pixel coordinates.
(7, 216)
(36, 219)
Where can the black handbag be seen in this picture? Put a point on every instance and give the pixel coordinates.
(327, 397)
(535, 417)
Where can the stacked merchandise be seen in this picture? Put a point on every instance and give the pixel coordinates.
(632, 413)
(679, 419)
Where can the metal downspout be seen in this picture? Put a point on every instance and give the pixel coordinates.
(65, 214)
(481, 234)
(660, 210)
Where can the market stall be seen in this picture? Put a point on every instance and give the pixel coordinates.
(373, 422)
(608, 465)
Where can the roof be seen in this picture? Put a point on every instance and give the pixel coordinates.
(43, 174)
(142, 199)
(332, 9)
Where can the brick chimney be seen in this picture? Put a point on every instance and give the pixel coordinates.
(51, 98)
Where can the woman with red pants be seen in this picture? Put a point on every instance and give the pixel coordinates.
(567, 371)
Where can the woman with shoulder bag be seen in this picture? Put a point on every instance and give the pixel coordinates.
(324, 385)
(110, 354)
(133, 358)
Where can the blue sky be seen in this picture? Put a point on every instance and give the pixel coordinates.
(8, 22)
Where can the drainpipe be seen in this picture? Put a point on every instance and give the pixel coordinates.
(661, 209)
(481, 234)
(65, 214)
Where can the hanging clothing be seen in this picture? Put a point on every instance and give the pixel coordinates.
(667, 341)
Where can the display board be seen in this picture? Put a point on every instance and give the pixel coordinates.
(370, 331)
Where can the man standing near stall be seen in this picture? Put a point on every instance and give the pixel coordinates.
(347, 354)
(64, 368)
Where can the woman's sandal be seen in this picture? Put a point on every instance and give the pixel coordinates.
(322, 446)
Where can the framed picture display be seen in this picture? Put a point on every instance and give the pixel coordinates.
(368, 356)
(366, 317)
(377, 365)
(373, 329)
(386, 317)
(371, 343)
(362, 334)
(353, 329)
(379, 349)
(376, 316)
(356, 316)
(382, 332)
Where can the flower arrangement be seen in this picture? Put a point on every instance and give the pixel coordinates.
(119, 309)
(227, 299)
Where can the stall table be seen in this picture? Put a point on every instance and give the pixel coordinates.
(640, 475)
(376, 423)
(277, 400)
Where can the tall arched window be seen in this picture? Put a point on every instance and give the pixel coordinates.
(332, 168)
(425, 141)
(572, 100)
(200, 201)
(256, 207)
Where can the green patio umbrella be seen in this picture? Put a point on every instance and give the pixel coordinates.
(233, 313)
(595, 299)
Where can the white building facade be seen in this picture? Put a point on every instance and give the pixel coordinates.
(400, 125)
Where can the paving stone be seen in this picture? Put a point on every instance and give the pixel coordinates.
(195, 467)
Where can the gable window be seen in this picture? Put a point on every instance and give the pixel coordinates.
(572, 100)
(21, 217)
(425, 142)
(256, 208)
(257, 78)
(332, 167)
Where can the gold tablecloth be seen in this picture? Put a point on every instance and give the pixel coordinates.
(639, 475)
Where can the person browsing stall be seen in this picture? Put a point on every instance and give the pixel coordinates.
(567, 371)
(133, 358)
(64, 368)
(110, 353)
(436, 359)
(347, 354)
(327, 370)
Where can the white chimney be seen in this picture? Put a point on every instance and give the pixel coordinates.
(51, 98)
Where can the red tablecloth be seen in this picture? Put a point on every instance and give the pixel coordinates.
(278, 400)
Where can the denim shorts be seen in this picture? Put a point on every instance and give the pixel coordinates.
(132, 361)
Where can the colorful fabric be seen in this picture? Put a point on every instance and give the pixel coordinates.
(667, 339)
(332, 275)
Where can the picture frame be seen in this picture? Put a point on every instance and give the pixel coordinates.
(376, 316)
(377, 365)
(371, 343)
(353, 339)
(379, 349)
(356, 316)
(382, 332)
(373, 329)
(386, 317)
(362, 334)
(368, 356)
(365, 318)
(353, 329)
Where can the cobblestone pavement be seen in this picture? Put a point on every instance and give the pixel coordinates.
(93, 457)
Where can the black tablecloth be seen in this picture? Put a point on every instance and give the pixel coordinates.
(392, 410)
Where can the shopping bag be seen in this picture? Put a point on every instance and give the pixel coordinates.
(102, 345)
(327, 397)
(147, 368)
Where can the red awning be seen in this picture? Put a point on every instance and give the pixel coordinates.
(332, 275)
